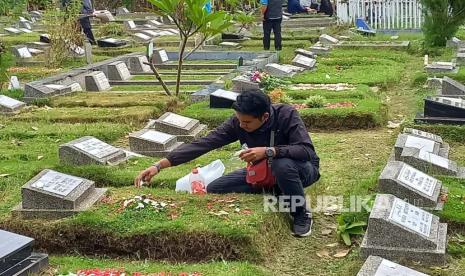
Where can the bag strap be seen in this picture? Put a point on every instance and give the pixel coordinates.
(272, 136)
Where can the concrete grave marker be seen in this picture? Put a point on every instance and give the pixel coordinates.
(377, 266)
(410, 141)
(105, 16)
(137, 64)
(54, 195)
(222, 98)
(37, 44)
(122, 10)
(152, 143)
(142, 37)
(282, 70)
(186, 129)
(17, 257)
(151, 33)
(173, 31)
(243, 83)
(14, 83)
(118, 71)
(89, 150)
(412, 185)
(111, 42)
(303, 61)
(38, 91)
(24, 30)
(155, 23)
(431, 163)
(305, 53)
(129, 24)
(444, 149)
(10, 105)
(35, 51)
(25, 25)
(440, 67)
(159, 56)
(328, 40)
(59, 88)
(11, 30)
(445, 108)
(399, 230)
(97, 81)
(21, 51)
(452, 87)
(88, 52)
(228, 44)
(320, 50)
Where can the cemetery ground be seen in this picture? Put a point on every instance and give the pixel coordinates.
(231, 234)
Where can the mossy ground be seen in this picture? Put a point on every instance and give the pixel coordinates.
(351, 161)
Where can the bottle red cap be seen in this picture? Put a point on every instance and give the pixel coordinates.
(195, 170)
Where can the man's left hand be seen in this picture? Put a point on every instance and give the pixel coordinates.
(253, 154)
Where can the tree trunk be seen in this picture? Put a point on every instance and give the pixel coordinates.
(158, 77)
(181, 59)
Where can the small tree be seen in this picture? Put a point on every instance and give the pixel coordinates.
(442, 20)
(191, 18)
(63, 28)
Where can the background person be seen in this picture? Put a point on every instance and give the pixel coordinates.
(272, 16)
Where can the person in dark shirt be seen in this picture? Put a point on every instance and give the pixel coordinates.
(87, 11)
(272, 16)
(294, 6)
(295, 163)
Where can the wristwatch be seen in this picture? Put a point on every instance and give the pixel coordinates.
(269, 152)
(158, 166)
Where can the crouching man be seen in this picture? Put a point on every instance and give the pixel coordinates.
(294, 162)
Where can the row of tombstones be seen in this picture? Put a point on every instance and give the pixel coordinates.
(400, 225)
(52, 195)
(448, 106)
(24, 25)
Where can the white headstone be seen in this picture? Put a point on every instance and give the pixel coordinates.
(130, 24)
(411, 217)
(388, 268)
(417, 180)
(12, 30)
(156, 136)
(35, 51)
(9, 102)
(57, 183)
(96, 148)
(225, 94)
(14, 83)
(142, 37)
(24, 30)
(23, 52)
(177, 120)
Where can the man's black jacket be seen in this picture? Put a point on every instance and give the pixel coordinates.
(291, 138)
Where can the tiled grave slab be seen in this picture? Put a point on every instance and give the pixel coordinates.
(398, 230)
(222, 98)
(89, 150)
(97, 81)
(9, 105)
(186, 129)
(411, 185)
(154, 143)
(377, 266)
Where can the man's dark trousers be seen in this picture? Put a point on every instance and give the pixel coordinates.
(275, 25)
(87, 29)
(292, 177)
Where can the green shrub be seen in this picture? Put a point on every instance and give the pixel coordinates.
(111, 29)
(316, 101)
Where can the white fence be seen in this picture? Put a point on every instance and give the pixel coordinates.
(381, 14)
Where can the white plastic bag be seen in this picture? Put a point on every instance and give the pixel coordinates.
(210, 172)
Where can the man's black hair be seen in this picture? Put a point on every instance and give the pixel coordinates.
(253, 103)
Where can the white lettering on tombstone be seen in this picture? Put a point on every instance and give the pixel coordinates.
(57, 183)
(388, 268)
(9, 102)
(411, 217)
(102, 81)
(177, 120)
(96, 148)
(417, 180)
(156, 136)
(419, 143)
(424, 134)
(434, 159)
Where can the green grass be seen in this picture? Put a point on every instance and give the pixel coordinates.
(65, 264)
(454, 208)
(144, 88)
(183, 78)
(111, 99)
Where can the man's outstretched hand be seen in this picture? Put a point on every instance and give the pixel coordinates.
(145, 176)
(253, 154)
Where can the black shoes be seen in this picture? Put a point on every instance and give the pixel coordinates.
(302, 226)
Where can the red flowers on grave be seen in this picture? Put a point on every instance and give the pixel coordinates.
(258, 76)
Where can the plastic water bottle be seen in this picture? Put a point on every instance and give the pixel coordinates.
(197, 182)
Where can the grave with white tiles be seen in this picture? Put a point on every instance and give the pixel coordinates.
(328, 40)
(142, 37)
(153, 143)
(97, 81)
(118, 71)
(21, 51)
(243, 83)
(398, 230)
(54, 195)
(184, 128)
(377, 266)
(129, 24)
(412, 185)
(90, 150)
(9, 105)
(444, 148)
(305, 53)
(222, 98)
(282, 70)
(12, 30)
